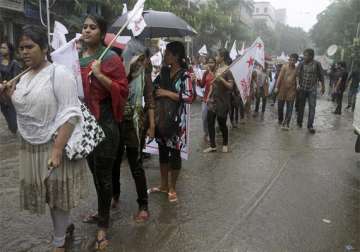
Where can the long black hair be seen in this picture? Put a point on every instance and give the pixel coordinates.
(225, 55)
(178, 49)
(101, 23)
(11, 50)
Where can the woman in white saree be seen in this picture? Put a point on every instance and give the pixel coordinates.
(46, 102)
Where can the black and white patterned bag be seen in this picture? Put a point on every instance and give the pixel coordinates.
(90, 135)
(86, 136)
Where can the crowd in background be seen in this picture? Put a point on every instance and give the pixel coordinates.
(114, 90)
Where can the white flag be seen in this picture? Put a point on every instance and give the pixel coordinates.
(125, 10)
(243, 67)
(59, 39)
(68, 56)
(356, 122)
(242, 51)
(260, 51)
(203, 50)
(233, 52)
(137, 23)
(226, 44)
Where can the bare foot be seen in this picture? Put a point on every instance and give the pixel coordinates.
(101, 241)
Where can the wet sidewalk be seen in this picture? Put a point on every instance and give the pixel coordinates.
(275, 191)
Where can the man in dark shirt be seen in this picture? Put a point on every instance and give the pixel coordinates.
(354, 80)
(310, 73)
(340, 87)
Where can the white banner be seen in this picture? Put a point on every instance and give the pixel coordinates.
(68, 56)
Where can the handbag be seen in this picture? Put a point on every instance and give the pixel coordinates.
(86, 135)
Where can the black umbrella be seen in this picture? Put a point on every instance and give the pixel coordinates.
(159, 24)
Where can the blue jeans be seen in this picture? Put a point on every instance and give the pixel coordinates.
(289, 109)
(311, 97)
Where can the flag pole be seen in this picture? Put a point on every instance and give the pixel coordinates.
(8, 84)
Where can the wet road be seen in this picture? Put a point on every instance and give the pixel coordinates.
(275, 191)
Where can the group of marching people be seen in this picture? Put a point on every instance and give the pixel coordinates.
(46, 103)
(221, 97)
(295, 84)
(43, 106)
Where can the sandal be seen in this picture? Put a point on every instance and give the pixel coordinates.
(91, 219)
(102, 243)
(156, 190)
(172, 196)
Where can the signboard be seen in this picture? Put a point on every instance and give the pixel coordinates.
(16, 5)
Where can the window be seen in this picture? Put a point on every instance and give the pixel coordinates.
(265, 10)
(257, 10)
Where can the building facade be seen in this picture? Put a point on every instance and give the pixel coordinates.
(11, 18)
(281, 16)
(265, 11)
(246, 10)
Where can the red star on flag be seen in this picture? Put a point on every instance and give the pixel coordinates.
(259, 45)
(250, 61)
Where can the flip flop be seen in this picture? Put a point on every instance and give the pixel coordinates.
(172, 196)
(91, 218)
(156, 190)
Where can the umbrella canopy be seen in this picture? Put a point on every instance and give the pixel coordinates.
(159, 24)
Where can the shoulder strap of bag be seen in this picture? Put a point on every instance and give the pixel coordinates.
(52, 80)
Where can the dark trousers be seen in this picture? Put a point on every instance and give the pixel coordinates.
(304, 96)
(352, 99)
(289, 109)
(339, 98)
(100, 162)
(234, 113)
(223, 128)
(135, 160)
(260, 96)
(8, 110)
(235, 109)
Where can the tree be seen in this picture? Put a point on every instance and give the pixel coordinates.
(291, 39)
(337, 25)
(267, 34)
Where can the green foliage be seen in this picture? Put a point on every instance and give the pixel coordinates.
(337, 25)
(291, 39)
(216, 22)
